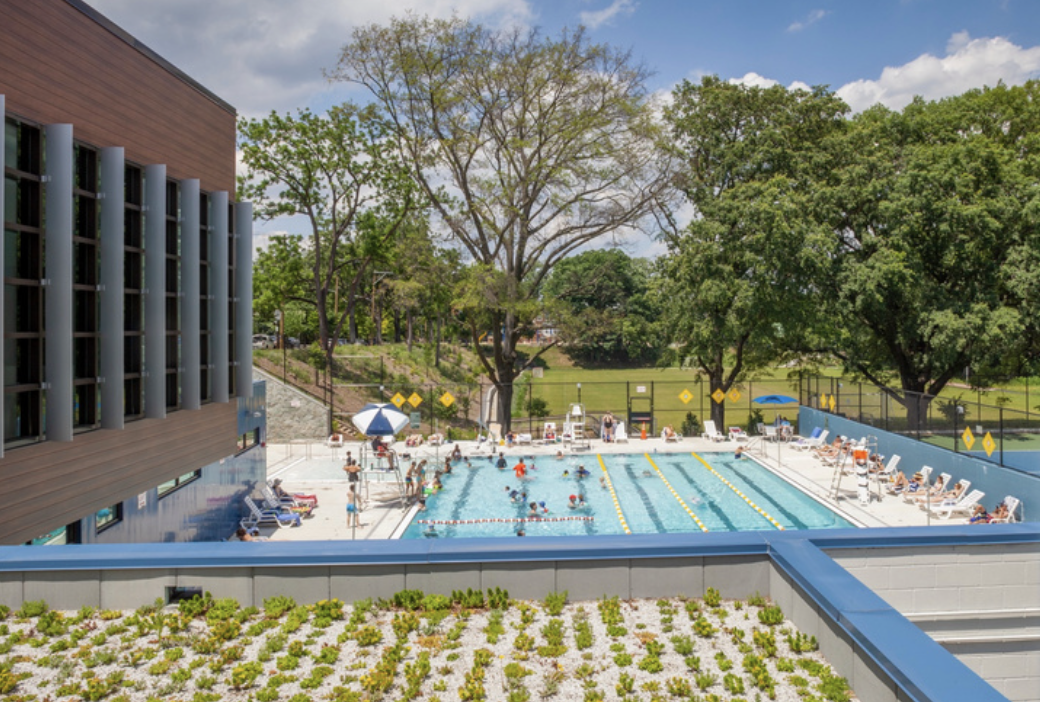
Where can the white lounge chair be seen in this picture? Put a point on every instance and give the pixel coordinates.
(922, 494)
(620, 433)
(674, 436)
(889, 469)
(1012, 504)
(738, 434)
(817, 439)
(963, 506)
(336, 441)
(926, 473)
(549, 433)
(272, 501)
(771, 434)
(710, 432)
(522, 439)
(259, 516)
(948, 497)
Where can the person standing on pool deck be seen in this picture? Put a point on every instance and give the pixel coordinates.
(520, 469)
(353, 511)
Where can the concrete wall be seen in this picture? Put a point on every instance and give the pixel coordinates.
(886, 657)
(982, 604)
(291, 414)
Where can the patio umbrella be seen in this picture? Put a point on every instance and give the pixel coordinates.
(776, 400)
(379, 419)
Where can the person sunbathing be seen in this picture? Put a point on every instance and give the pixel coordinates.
(281, 494)
(669, 433)
(830, 450)
(1000, 514)
(979, 516)
(950, 497)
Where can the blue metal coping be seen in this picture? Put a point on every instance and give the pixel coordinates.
(921, 668)
(487, 550)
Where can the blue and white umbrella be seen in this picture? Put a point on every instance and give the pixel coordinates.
(380, 419)
(776, 400)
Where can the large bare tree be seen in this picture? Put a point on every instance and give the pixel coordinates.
(528, 147)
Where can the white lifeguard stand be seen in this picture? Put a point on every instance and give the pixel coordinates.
(575, 426)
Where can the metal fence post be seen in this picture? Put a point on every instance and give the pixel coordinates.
(1000, 416)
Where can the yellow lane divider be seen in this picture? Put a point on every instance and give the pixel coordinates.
(744, 497)
(675, 494)
(613, 495)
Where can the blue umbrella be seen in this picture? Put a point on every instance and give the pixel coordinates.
(380, 419)
(776, 400)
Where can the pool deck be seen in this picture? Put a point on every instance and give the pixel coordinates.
(383, 513)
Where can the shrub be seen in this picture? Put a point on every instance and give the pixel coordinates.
(554, 603)
(409, 600)
(712, 598)
(245, 674)
(771, 615)
(31, 608)
(275, 607)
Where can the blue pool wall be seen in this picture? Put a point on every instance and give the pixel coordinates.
(885, 656)
(996, 481)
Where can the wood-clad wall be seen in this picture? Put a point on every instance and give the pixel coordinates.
(58, 65)
(55, 483)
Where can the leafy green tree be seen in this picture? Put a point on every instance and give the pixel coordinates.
(933, 211)
(341, 173)
(739, 277)
(599, 303)
(528, 148)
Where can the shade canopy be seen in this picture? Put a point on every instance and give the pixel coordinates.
(380, 419)
(776, 400)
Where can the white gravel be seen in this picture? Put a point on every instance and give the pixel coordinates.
(578, 674)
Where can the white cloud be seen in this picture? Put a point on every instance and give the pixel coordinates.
(813, 17)
(754, 80)
(593, 19)
(263, 55)
(969, 63)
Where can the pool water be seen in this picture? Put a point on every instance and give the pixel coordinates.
(624, 493)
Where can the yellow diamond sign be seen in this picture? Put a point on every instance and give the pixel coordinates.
(833, 404)
(989, 444)
(447, 399)
(734, 395)
(969, 438)
(718, 396)
(823, 401)
(415, 400)
(686, 396)
(398, 400)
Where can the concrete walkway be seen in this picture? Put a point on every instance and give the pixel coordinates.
(311, 468)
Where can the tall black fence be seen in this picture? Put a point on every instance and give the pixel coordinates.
(1001, 429)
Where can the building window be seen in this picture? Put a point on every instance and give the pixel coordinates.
(104, 518)
(69, 534)
(178, 482)
(133, 293)
(173, 286)
(248, 440)
(86, 329)
(23, 295)
(205, 357)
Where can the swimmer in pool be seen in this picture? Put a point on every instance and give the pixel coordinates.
(647, 474)
(582, 473)
(603, 482)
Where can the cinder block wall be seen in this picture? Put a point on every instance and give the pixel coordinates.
(982, 604)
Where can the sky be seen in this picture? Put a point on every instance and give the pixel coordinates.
(268, 55)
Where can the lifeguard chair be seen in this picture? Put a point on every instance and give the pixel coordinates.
(576, 428)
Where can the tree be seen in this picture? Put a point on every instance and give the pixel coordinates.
(933, 217)
(603, 310)
(527, 147)
(739, 277)
(342, 175)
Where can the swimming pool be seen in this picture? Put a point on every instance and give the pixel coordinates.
(624, 493)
